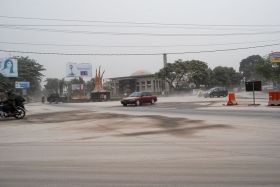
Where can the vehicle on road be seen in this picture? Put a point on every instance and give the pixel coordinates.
(55, 98)
(138, 98)
(216, 92)
(17, 111)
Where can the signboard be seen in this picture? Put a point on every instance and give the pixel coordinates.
(24, 92)
(78, 70)
(75, 86)
(9, 67)
(274, 57)
(22, 85)
(253, 86)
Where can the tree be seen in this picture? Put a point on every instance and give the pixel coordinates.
(225, 76)
(198, 72)
(5, 82)
(270, 71)
(169, 74)
(52, 86)
(248, 66)
(181, 74)
(28, 70)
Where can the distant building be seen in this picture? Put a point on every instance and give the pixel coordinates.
(139, 81)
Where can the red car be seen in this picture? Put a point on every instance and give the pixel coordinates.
(138, 98)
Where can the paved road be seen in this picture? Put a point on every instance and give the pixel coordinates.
(174, 109)
(212, 110)
(119, 150)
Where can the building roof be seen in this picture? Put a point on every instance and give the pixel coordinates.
(141, 72)
(136, 74)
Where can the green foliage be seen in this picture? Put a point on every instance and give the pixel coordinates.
(224, 76)
(181, 74)
(198, 72)
(52, 86)
(259, 68)
(169, 74)
(5, 82)
(270, 71)
(248, 67)
(28, 70)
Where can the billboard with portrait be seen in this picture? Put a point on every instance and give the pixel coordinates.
(78, 70)
(9, 67)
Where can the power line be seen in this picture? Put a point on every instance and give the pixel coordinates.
(140, 34)
(134, 46)
(123, 26)
(137, 54)
(139, 23)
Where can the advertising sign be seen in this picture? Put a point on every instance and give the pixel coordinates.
(274, 57)
(9, 67)
(253, 86)
(78, 70)
(22, 85)
(75, 87)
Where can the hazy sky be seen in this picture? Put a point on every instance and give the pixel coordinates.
(175, 17)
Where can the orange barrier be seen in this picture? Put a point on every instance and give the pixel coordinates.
(231, 99)
(274, 98)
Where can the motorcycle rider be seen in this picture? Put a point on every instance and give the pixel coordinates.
(10, 102)
(43, 99)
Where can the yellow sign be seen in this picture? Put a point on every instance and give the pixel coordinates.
(274, 57)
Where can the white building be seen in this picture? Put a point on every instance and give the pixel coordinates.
(139, 81)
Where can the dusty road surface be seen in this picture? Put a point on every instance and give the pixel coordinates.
(102, 144)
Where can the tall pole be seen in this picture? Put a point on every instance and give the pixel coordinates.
(164, 65)
(81, 86)
(254, 100)
(164, 60)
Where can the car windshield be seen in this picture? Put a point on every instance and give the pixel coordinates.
(135, 94)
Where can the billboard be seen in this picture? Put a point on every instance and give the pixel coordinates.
(9, 67)
(22, 84)
(75, 87)
(274, 57)
(253, 86)
(78, 70)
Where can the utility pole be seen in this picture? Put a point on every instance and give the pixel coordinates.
(165, 86)
(164, 60)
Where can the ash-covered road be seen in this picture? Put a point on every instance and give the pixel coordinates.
(168, 144)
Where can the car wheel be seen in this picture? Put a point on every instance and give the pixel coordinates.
(124, 104)
(137, 103)
(211, 96)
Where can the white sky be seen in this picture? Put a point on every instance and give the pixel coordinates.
(213, 12)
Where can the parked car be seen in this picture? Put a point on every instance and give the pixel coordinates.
(216, 92)
(138, 98)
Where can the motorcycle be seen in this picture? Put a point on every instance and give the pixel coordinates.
(18, 113)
